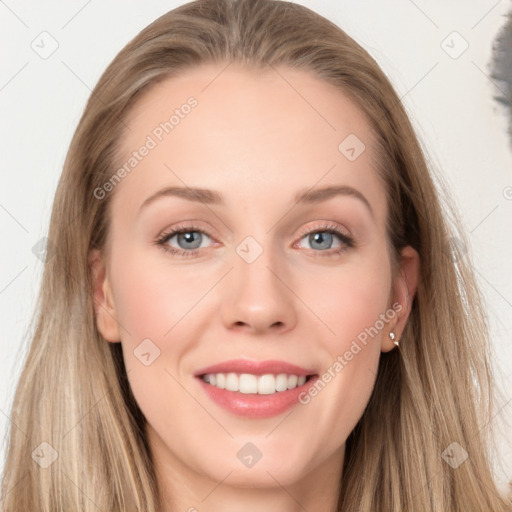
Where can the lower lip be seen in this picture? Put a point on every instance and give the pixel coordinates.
(253, 405)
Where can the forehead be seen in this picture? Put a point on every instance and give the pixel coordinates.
(252, 131)
(230, 95)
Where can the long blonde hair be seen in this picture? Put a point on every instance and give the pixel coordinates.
(73, 392)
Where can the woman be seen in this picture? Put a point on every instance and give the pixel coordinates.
(254, 370)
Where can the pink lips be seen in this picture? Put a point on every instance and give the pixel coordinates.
(255, 367)
(253, 405)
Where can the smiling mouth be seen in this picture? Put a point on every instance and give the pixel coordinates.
(247, 383)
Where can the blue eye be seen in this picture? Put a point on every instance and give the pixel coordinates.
(321, 238)
(185, 237)
(189, 240)
(324, 236)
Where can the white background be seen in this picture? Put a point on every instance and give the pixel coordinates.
(450, 102)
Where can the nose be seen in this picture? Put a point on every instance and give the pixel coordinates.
(259, 299)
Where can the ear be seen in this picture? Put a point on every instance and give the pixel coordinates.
(404, 286)
(106, 319)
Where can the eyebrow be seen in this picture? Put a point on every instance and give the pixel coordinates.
(307, 196)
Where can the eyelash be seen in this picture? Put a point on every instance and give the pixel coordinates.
(346, 240)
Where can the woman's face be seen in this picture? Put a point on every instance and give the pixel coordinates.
(282, 257)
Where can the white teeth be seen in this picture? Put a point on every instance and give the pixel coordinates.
(267, 384)
(232, 382)
(221, 381)
(282, 382)
(292, 381)
(248, 383)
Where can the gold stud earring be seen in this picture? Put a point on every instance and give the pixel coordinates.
(392, 335)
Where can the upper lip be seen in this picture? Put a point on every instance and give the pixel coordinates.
(255, 367)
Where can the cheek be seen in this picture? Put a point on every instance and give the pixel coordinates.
(149, 300)
(353, 306)
(350, 299)
(148, 306)
(150, 303)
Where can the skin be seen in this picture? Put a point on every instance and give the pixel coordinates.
(257, 141)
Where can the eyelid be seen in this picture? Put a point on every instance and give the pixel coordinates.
(324, 225)
(184, 226)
